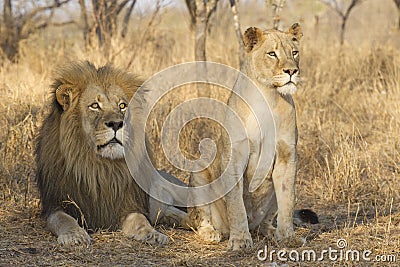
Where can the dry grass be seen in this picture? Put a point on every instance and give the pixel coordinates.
(349, 147)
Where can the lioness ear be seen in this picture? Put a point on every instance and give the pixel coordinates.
(252, 36)
(64, 95)
(296, 32)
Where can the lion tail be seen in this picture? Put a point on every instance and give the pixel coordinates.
(305, 216)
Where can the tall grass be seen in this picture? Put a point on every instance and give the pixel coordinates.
(348, 124)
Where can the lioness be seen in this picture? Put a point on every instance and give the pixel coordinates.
(82, 176)
(272, 63)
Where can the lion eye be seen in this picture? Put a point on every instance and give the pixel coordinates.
(295, 53)
(271, 54)
(123, 106)
(94, 106)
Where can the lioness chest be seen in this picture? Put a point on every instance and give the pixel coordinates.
(262, 202)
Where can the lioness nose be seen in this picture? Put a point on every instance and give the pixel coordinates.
(115, 125)
(290, 71)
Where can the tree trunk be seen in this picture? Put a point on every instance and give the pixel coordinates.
(106, 14)
(277, 13)
(98, 12)
(275, 8)
(103, 26)
(10, 43)
(201, 31)
(112, 17)
(84, 18)
(316, 27)
(126, 19)
(10, 48)
(397, 2)
(342, 30)
(19, 25)
(239, 36)
(7, 12)
(345, 17)
(204, 9)
(398, 23)
(200, 45)
(191, 5)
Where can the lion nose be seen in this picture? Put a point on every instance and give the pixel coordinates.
(115, 125)
(290, 71)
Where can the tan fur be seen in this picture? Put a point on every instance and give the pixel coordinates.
(272, 62)
(82, 177)
(283, 151)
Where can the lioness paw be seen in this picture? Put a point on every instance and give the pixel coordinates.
(156, 238)
(209, 234)
(240, 242)
(75, 236)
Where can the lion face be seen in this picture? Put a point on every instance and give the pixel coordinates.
(274, 57)
(93, 102)
(102, 119)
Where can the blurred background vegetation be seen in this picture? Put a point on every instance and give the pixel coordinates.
(348, 104)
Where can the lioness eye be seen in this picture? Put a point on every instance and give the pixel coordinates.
(271, 54)
(94, 106)
(123, 106)
(295, 53)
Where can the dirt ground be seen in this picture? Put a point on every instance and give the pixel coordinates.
(26, 242)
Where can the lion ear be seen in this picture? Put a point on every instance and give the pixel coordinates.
(64, 95)
(295, 32)
(252, 36)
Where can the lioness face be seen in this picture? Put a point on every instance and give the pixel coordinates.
(103, 112)
(275, 57)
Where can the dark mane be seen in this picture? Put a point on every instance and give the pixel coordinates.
(70, 175)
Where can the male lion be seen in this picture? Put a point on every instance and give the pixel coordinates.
(272, 63)
(82, 175)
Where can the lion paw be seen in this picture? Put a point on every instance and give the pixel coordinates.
(240, 242)
(209, 234)
(156, 238)
(75, 236)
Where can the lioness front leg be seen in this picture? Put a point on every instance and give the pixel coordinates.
(284, 179)
(67, 229)
(137, 226)
(239, 236)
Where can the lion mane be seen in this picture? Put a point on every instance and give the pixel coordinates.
(71, 176)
